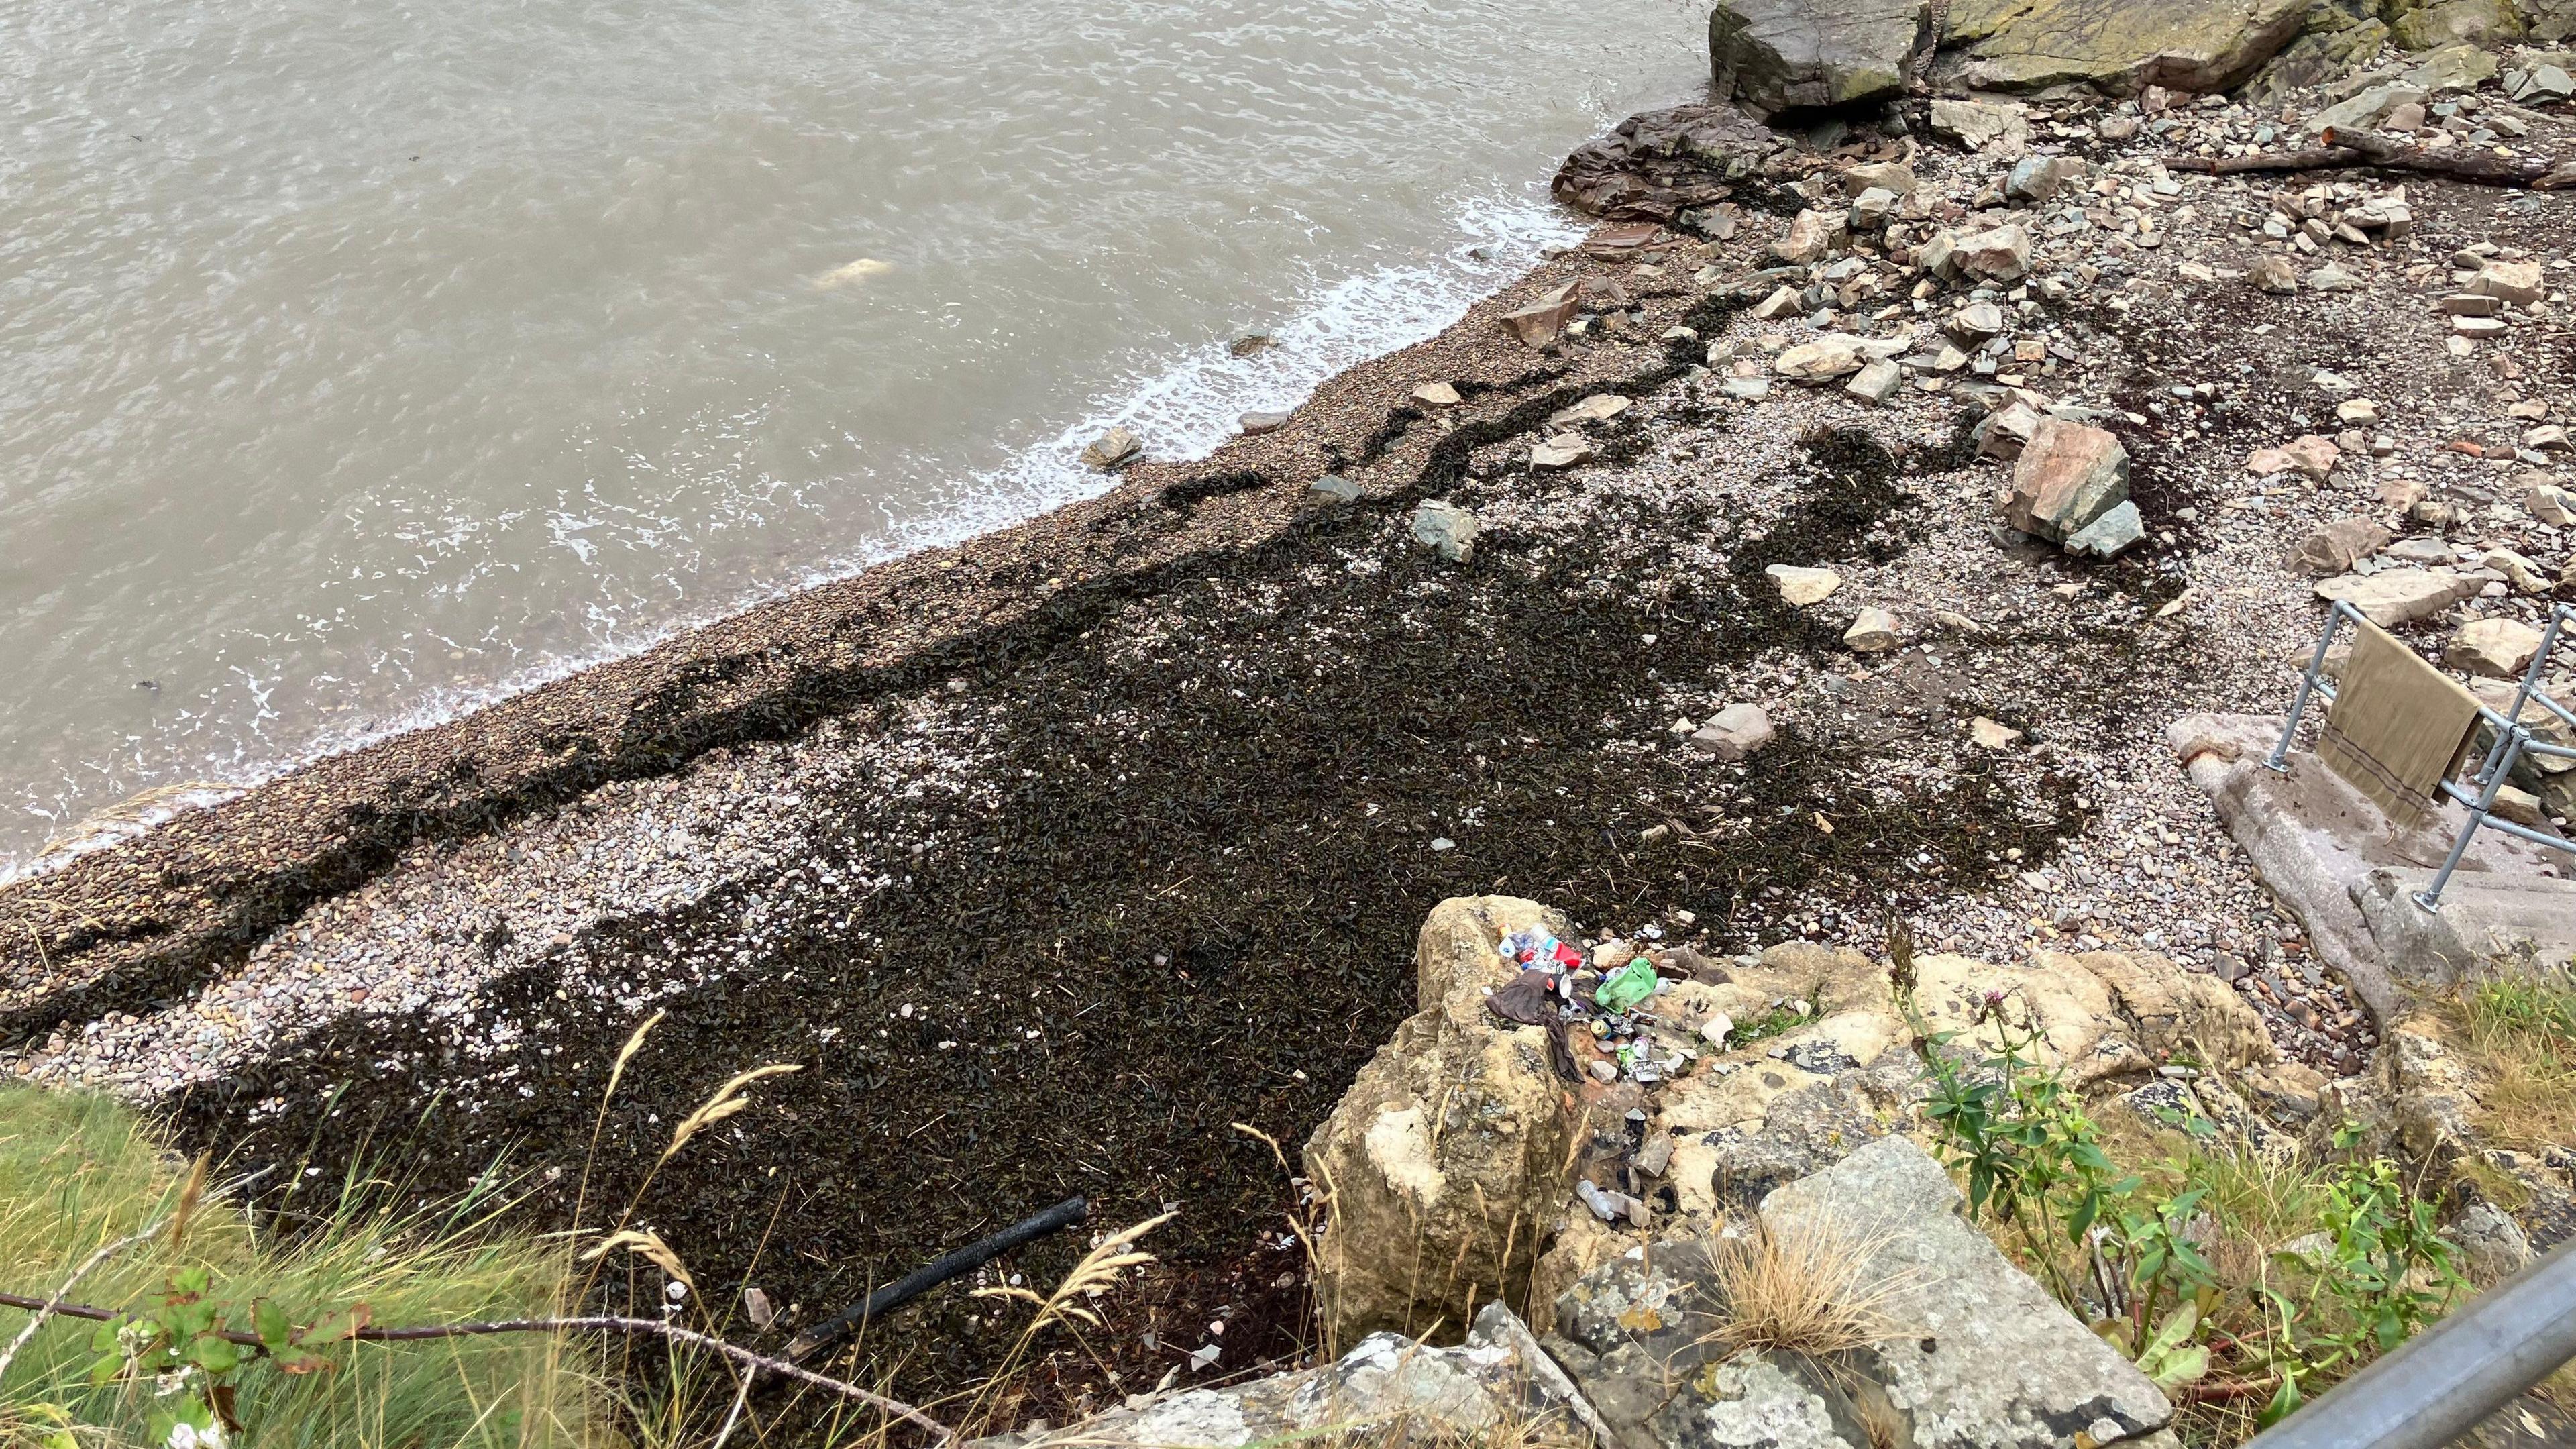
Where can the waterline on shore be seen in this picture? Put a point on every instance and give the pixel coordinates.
(1183, 402)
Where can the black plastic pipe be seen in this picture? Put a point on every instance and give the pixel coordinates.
(921, 1280)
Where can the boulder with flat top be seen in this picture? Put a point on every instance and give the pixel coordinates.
(2399, 596)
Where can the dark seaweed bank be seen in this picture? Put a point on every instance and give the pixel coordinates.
(1215, 813)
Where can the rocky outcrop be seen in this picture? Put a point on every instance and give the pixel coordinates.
(2188, 45)
(1448, 1157)
(1454, 1164)
(1656, 166)
(1952, 1345)
(1778, 56)
(1973, 1350)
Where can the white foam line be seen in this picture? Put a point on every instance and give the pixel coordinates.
(1195, 404)
(1186, 410)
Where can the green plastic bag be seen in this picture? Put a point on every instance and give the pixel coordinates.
(1626, 986)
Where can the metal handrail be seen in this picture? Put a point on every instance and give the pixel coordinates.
(2513, 740)
(2441, 1383)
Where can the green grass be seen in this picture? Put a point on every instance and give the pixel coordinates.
(2519, 1031)
(78, 1171)
(1769, 1024)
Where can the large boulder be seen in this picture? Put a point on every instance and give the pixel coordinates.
(1448, 1156)
(1975, 1352)
(2485, 24)
(2186, 45)
(2068, 475)
(2550, 21)
(2320, 55)
(2458, 66)
(1806, 55)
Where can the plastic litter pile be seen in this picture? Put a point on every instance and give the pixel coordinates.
(1598, 1010)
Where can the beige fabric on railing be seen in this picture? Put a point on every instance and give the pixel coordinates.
(2398, 726)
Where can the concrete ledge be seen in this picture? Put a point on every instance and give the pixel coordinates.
(2335, 860)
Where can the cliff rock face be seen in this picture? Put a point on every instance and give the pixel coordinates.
(2121, 46)
(1448, 1158)
(1798, 55)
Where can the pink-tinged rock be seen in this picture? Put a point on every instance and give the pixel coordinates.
(2312, 456)
(1542, 322)
(2315, 455)
(2000, 254)
(2067, 476)
(2004, 434)
(2496, 648)
(1811, 234)
(2520, 283)
(2339, 545)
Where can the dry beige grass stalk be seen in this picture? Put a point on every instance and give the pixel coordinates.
(728, 1099)
(1806, 1291)
(2528, 1097)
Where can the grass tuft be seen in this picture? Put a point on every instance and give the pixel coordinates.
(1809, 1292)
(2520, 1031)
(82, 1171)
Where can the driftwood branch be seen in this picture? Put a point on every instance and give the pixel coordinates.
(2343, 147)
(56, 1304)
(939, 1433)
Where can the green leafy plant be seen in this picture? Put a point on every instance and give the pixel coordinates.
(2154, 1240)
(1771, 1023)
(2127, 1249)
(2174, 1357)
(2384, 1272)
(181, 1343)
(2032, 1157)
